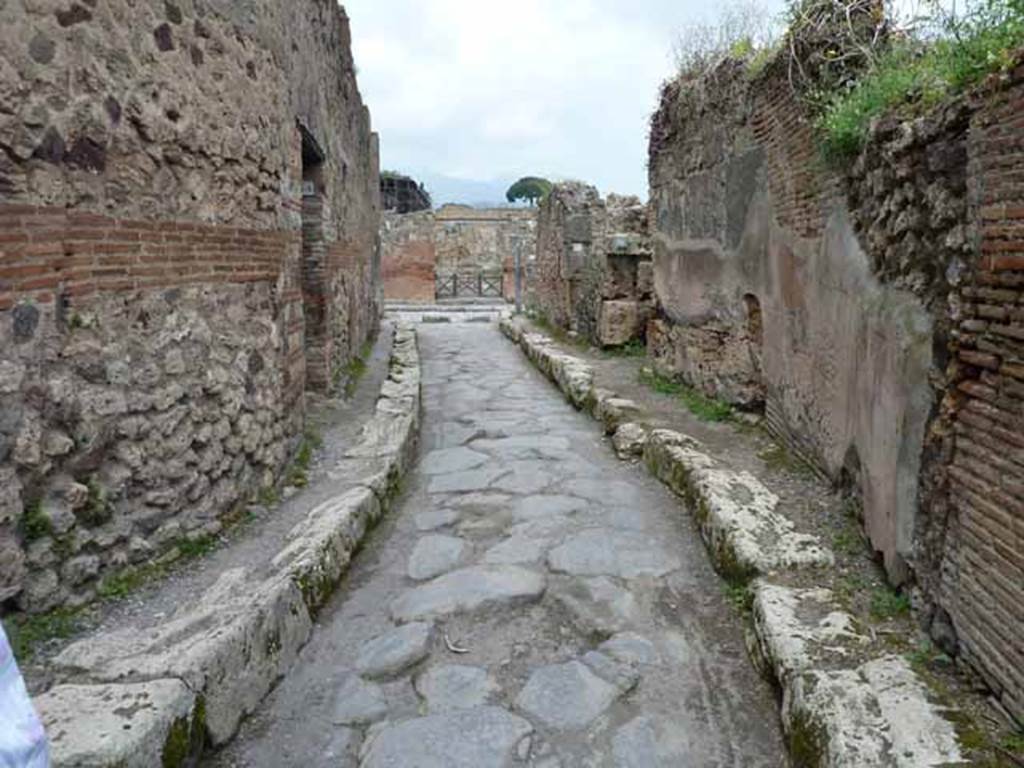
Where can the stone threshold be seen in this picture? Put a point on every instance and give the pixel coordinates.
(842, 706)
(135, 699)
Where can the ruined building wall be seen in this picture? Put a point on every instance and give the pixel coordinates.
(154, 300)
(455, 240)
(875, 315)
(409, 256)
(593, 273)
(766, 292)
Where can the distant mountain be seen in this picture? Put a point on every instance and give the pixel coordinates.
(478, 193)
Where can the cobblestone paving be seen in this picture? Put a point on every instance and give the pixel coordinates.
(531, 601)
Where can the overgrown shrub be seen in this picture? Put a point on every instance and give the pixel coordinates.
(918, 70)
(743, 29)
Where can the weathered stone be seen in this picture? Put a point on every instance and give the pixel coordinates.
(485, 737)
(434, 555)
(56, 443)
(394, 652)
(623, 675)
(433, 519)
(599, 605)
(10, 496)
(448, 460)
(12, 567)
(80, 569)
(359, 702)
(602, 552)
(467, 590)
(231, 647)
(465, 481)
(566, 696)
(737, 514)
(542, 506)
(631, 648)
(11, 376)
(646, 743)
(137, 725)
(619, 322)
(629, 440)
(455, 687)
(516, 550)
(321, 546)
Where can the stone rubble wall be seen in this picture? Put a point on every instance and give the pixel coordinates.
(156, 320)
(593, 272)
(838, 709)
(210, 664)
(873, 313)
(455, 239)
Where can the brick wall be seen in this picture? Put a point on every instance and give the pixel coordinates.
(983, 575)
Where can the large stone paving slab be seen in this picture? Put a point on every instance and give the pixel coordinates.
(395, 651)
(469, 589)
(566, 696)
(485, 737)
(608, 552)
(435, 555)
(455, 687)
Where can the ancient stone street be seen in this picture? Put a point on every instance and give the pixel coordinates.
(489, 621)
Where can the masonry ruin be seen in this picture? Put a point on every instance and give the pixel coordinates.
(402, 194)
(593, 270)
(874, 316)
(188, 242)
(456, 252)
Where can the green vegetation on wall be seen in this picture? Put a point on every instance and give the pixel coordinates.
(913, 73)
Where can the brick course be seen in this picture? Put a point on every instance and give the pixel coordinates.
(983, 573)
(51, 252)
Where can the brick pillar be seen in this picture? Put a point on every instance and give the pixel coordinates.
(314, 294)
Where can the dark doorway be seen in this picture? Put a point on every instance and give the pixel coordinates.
(314, 266)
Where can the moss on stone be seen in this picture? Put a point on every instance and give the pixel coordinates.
(34, 524)
(185, 738)
(807, 742)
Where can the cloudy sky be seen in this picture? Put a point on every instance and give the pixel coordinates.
(491, 90)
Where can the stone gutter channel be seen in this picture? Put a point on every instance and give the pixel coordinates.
(843, 703)
(136, 699)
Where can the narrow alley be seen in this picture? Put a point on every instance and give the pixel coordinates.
(530, 599)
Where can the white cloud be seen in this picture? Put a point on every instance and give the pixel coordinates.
(482, 89)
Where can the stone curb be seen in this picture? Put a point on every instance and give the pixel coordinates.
(142, 698)
(739, 523)
(838, 709)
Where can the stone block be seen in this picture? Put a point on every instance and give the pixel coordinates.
(619, 323)
(135, 725)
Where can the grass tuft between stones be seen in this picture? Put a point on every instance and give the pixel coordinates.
(700, 405)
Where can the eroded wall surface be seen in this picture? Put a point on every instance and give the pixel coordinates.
(476, 244)
(155, 328)
(874, 313)
(592, 274)
(409, 256)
